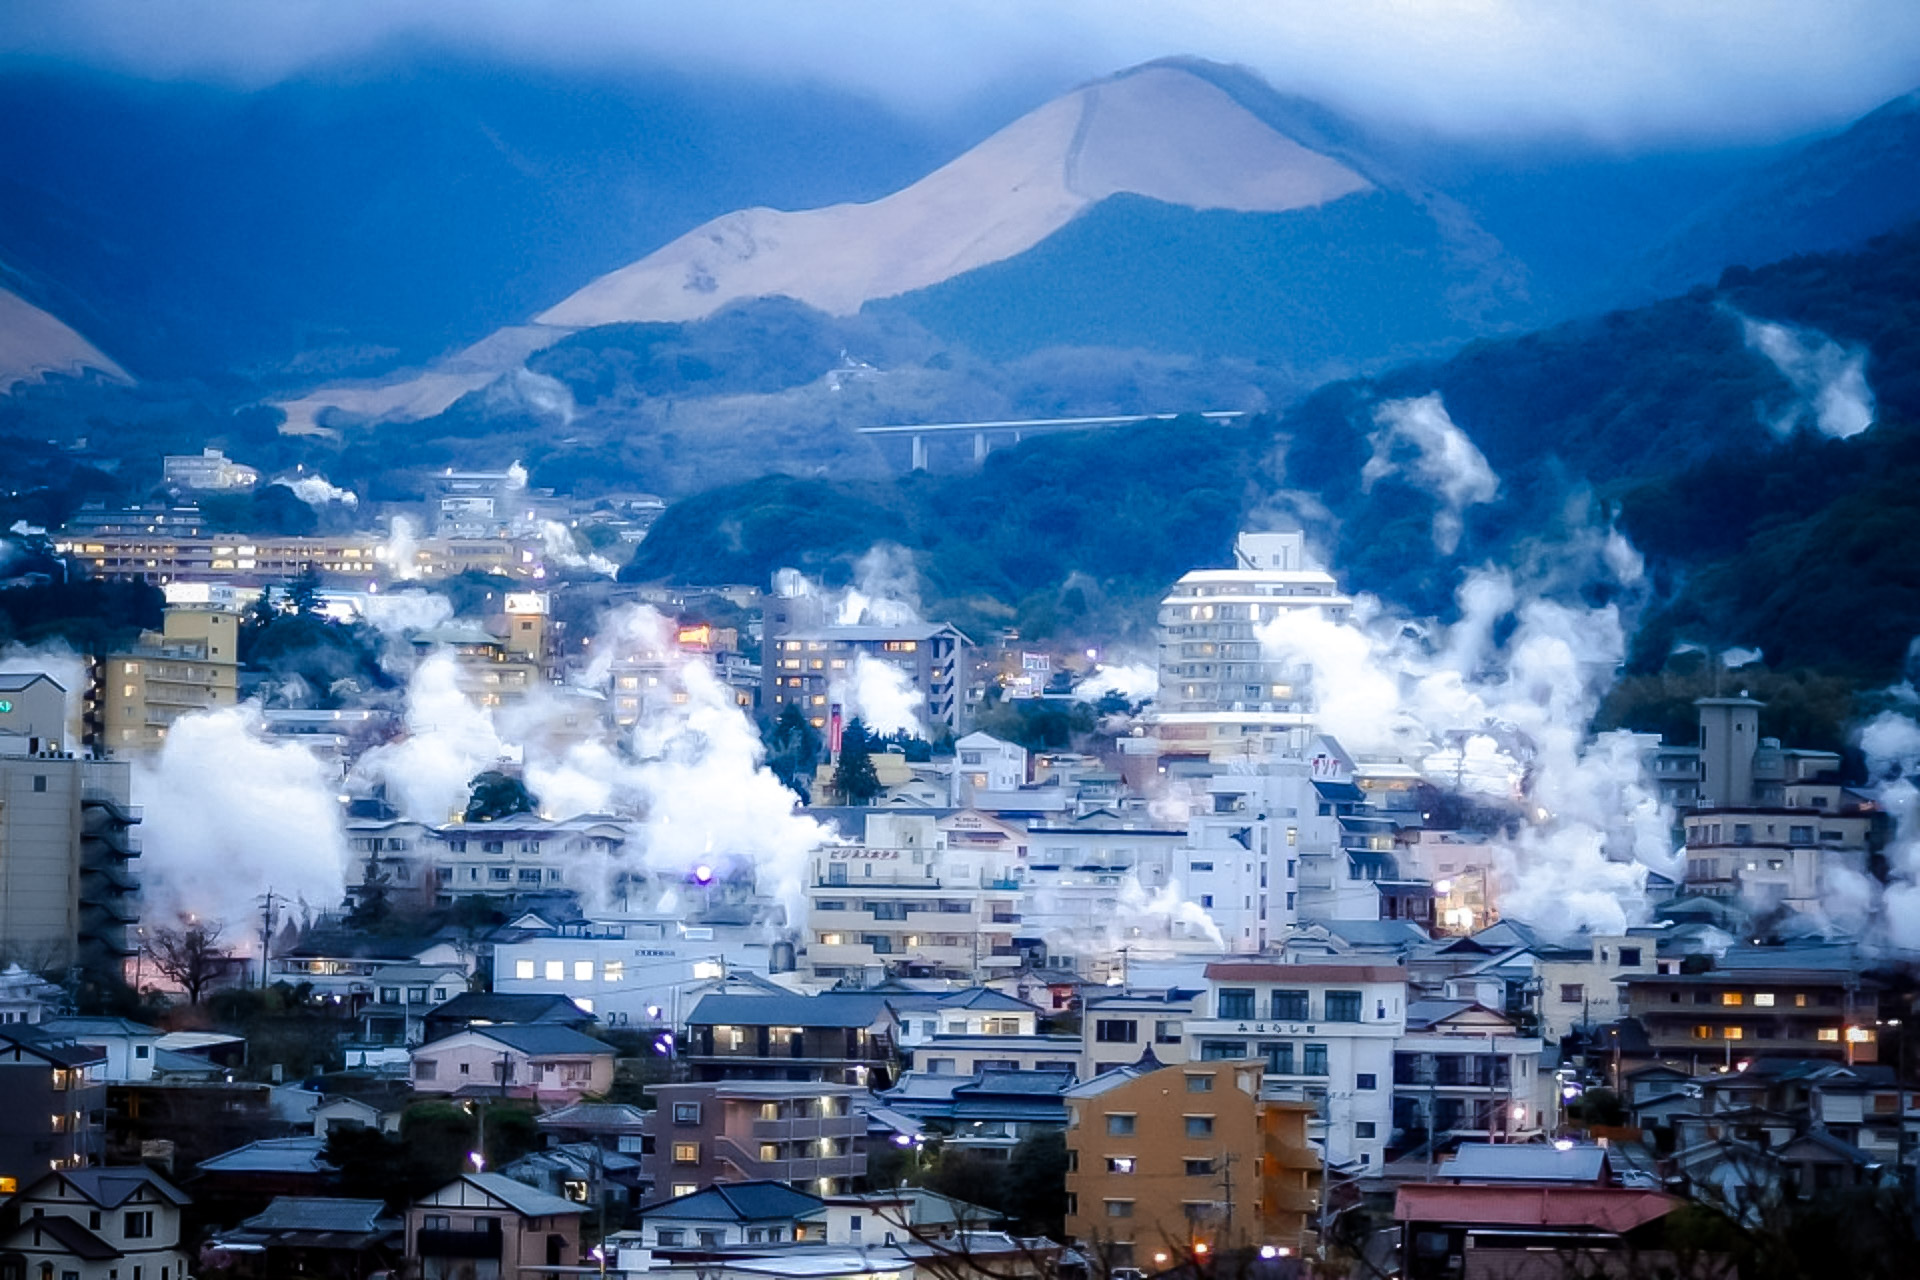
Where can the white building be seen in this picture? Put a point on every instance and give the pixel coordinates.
(1221, 695)
(630, 973)
(984, 764)
(210, 469)
(1327, 1034)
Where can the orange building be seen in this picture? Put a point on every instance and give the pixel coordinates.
(1162, 1160)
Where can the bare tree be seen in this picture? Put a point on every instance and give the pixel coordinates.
(190, 954)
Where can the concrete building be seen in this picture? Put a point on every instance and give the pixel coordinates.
(97, 1224)
(1221, 695)
(66, 896)
(1801, 1001)
(1326, 1033)
(35, 715)
(839, 1037)
(56, 1091)
(1783, 857)
(809, 660)
(1463, 1071)
(972, 1030)
(489, 1225)
(209, 470)
(1119, 1028)
(806, 1134)
(191, 664)
(1164, 1160)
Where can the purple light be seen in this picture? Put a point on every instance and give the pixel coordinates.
(703, 874)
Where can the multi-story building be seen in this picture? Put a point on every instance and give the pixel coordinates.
(166, 557)
(1121, 1028)
(1462, 1071)
(486, 1224)
(1162, 1161)
(210, 469)
(805, 1134)
(95, 519)
(491, 674)
(520, 855)
(962, 1032)
(839, 1036)
(1326, 1033)
(1782, 857)
(1221, 694)
(56, 1092)
(66, 896)
(34, 714)
(1800, 1001)
(920, 897)
(809, 661)
(192, 664)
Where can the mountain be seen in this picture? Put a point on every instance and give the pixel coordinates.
(34, 344)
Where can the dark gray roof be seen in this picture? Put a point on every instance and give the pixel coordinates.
(1525, 1162)
(759, 1201)
(319, 1213)
(272, 1155)
(595, 1115)
(15, 681)
(528, 1201)
(60, 1052)
(539, 1041)
(70, 1235)
(1376, 932)
(830, 1009)
(110, 1188)
(524, 1007)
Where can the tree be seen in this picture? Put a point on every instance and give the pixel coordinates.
(303, 593)
(854, 777)
(498, 795)
(373, 903)
(190, 955)
(793, 748)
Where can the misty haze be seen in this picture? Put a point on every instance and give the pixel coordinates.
(1064, 642)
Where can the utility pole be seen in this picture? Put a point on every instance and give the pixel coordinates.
(268, 917)
(1226, 1191)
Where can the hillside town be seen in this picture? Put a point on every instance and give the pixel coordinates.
(773, 929)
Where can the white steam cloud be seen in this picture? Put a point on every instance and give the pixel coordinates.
(1831, 381)
(1134, 681)
(394, 613)
(561, 549)
(883, 696)
(317, 492)
(1889, 914)
(1506, 718)
(231, 815)
(402, 549)
(1418, 440)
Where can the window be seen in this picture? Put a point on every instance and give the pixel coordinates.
(686, 1153)
(425, 1068)
(1201, 1168)
(1236, 1002)
(1222, 1050)
(1199, 1126)
(669, 1236)
(582, 970)
(684, 1189)
(500, 875)
(1630, 957)
(1313, 1060)
(1732, 998)
(1119, 1125)
(1830, 1034)
(1734, 1033)
(1363, 1129)
(1343, 1006)
(1290, 1006)
(1763, 999)
(523, 969)
(1366, 1080)
(1119, 1208)
(686, 1113)
(556, 971)
(1166, 1033)
(529, 875)
(1206, 900)
(1116, 1031)
(1702, 1033)
(1280, 1059)
(416, 995)
(1572, 993)
(1199, 1084)
(139, 1225)
(1119, 1164)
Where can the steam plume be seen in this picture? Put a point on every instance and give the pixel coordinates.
(1417, 439)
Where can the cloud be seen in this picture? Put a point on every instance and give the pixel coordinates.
(1629, 68)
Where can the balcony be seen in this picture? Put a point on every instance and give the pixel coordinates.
(805, 1128)
(736, 1153)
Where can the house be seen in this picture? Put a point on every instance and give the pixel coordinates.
(487, 1224)
(888, 1217)
(1116, 1029)
(96, 1224)
(402, 996)
(1189, 1153)
(311, 1236)
(572, 1171)
(730, 1213)
(25, 997)
(346, 965)
(960, 1032)
(989, 1112)
(550, 1064)
(471, 1009)
(612, 1126)
(129, 1046)
(806, 1133)
(380, 1111)
(250, 1176)
(54, 1095)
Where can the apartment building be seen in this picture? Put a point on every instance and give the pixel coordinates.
(210, 470)
(809, 659)
(56, 1093)
(520, 855)
(1221, 695)
(1164, 1160)
(191, 664)
(962, 1032)
(919, 897)
(1784, 857)
(66, 894)
(1463, 1071)
(166, 557)
(806, 1134)
(1325, 1033)
(1802, 1001)
(839, 1036)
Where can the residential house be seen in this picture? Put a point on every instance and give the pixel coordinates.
(1116, 1030)
(96, 1224)
(990, 1112)
(1161, 1159)
(807, 1134)
(312, 1236)
(25, 997)
(479, 1009)
(729, 1213)
(961, 1032)
(55, 1095)
(889, 1217)
(129, 1046)
(345, 965)
(550, 1064)
(577, 1171)
(485, 1224)
(403, 994)
(615, 1127)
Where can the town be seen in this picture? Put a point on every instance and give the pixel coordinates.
(418, 898)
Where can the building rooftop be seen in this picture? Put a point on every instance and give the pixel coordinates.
(321, 1213)
(1526, 1162)
(530, 1202)
(522, 1008)
(304, 1154)
(758, 1201)
(829, 1009)
(540, 1040)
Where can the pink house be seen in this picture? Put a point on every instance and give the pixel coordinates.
(549, 1064)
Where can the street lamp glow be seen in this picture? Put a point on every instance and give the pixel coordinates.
(703, 874)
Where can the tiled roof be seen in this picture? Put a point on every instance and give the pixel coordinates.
(758, 1201)
(527, 1201)
(318, 1213)
(830, 1009)
(540, 1040)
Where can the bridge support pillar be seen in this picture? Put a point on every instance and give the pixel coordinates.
(979, 446)
(919, 453)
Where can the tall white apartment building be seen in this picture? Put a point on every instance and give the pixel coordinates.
(1220, 694)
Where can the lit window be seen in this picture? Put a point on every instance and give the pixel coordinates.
(583, 971)
(556, 970)
(686, 1153)
(521, 968)
(1763, 999)
(1732, 998)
